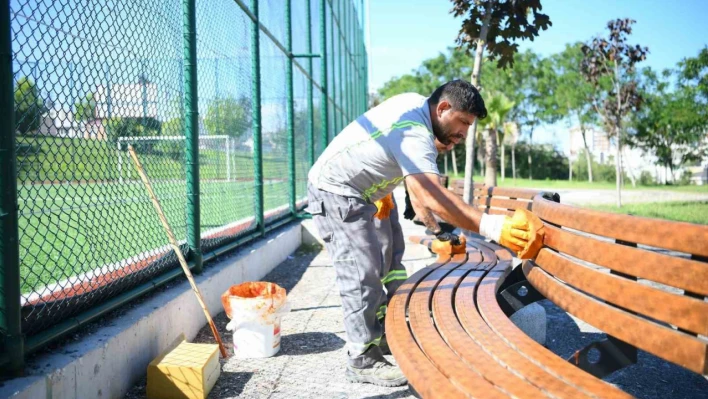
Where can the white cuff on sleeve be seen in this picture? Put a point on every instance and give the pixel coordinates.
(491, 226)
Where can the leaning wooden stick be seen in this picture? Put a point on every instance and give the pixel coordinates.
(175, 247)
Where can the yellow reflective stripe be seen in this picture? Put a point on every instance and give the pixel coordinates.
(382, 312)
(376, 187)
(376, 342)
(394, 275)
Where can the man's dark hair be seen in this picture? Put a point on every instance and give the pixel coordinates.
(462, 96)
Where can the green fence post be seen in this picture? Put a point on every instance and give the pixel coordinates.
(310, 102)
(323, 77)
(340, 64)
(335, 121)
(10, 317)
(256, 116)
(191, 132)
(290, 110)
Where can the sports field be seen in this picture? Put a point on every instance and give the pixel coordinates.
(69, 229)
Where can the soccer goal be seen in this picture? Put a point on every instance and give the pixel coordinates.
(166, 154)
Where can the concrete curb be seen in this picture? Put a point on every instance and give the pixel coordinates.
(105, 364)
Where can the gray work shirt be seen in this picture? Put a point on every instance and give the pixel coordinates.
(373, 154)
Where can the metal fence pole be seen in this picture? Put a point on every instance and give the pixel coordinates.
(256, 116)
(191, 132)
(310, 102)
(340, 63)
(336, 124)
(290, 106)
(323, 80)
(10, 317)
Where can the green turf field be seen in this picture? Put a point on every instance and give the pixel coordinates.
(69, 229)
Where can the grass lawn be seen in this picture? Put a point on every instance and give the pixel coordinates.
(582, 185)
(692, 212)
(69, 229)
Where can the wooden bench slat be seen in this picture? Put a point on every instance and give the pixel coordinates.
(671, 345)
(474, 339)
(678, 236)
(493, 202)
(475, 354)
(412, 361)
(682, 311)
(432, 344)
(676, 272)
(515, 338)
(482, 191)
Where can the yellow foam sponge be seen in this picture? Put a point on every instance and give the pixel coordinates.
(187, 371)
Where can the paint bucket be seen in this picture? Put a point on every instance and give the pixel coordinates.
(255, 310)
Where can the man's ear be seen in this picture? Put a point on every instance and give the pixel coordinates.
(443, 105)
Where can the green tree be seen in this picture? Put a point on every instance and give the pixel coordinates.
(229, 116)
(498, 106)
(573, 95)
(612, 58)
(693, 73)
(495, 25)
(29, 106)
(672, 124)
(86, 109)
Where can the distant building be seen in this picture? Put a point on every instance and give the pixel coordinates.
(634, 161)
(58, 122)
(137, 100)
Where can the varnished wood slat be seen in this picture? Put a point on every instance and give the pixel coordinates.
(421, 373)
(479, 332)
(677, 236)
(432, 344)
(543, 358)
(682, 311)
(669, 270)
(494, 202)
(671, 345)
(475, 355)
(482, 191)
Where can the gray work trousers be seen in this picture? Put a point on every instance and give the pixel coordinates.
(366, 253)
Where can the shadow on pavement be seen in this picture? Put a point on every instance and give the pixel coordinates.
(309, 343)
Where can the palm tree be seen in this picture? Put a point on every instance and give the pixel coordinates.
(498, 106)
(510, 136)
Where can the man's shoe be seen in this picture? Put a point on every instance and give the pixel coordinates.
(381, 373)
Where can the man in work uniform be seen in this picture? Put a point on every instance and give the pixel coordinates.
(397, 140)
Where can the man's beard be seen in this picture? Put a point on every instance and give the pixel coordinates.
(443, 134)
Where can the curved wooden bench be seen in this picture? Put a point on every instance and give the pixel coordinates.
(452, 339)
(653, 297)
(448, 326)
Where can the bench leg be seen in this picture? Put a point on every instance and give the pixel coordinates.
(613, 353)
(516, 292)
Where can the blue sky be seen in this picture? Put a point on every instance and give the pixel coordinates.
(405, 32)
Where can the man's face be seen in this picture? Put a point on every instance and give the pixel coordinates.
(451, 127)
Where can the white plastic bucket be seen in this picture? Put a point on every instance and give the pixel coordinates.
(255, 310)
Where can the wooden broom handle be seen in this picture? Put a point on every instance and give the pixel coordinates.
(175, 247)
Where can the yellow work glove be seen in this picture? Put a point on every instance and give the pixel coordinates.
(522, 233)
(384, 207)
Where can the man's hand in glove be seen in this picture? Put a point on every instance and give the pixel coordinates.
(523, 232)
(448, 244)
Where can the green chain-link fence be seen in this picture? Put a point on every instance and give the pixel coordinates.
(223, 101)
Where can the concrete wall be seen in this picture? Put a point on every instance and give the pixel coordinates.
(107, 362)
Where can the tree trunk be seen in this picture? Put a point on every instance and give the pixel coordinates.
(454, 162)
(530, 149)
(503, 161)
(630, 172)
(445, 163)
(481, 155)
(490, 175)
(570, 168)
(469, 143)
(618, 171)
(587, 151)
(513, 161)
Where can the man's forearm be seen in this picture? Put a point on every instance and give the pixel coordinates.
(424, 214)
(455, 211)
